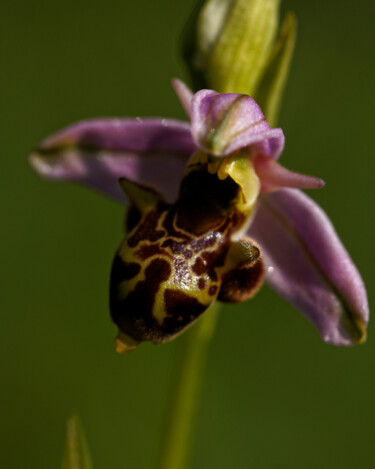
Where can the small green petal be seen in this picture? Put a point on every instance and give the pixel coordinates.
(76, 454)
(273, 82)
(143, 197)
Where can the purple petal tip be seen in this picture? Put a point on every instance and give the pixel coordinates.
(184, 94)
(273, 176)
(310, 266)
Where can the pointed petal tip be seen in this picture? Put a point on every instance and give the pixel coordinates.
(274, 176)
(351, 327)
(320, 183)
(38, 164)
(310, 266)
(184, 94)
(357, 336)
(124, 343)
(142, 196)
(45, 167)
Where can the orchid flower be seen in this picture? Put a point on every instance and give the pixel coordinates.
(212, 214)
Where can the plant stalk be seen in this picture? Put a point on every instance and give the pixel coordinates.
(185, 392)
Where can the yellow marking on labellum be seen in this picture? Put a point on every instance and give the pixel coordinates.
(240, 168)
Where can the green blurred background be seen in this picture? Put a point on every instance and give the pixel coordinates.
(275, 396)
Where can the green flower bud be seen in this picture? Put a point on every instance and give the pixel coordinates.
(229, 43)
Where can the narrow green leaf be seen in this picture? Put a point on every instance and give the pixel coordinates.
(273, 82)
(76, 454)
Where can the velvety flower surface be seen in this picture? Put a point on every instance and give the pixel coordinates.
(231, 187)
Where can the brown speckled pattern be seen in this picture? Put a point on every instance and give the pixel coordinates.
(172, 264)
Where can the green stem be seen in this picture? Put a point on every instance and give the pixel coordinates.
(186, 386)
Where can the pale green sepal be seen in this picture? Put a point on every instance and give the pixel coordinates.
(271, 87)
(237, 50)
(76, 453)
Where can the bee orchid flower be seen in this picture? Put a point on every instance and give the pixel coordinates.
(211, 215)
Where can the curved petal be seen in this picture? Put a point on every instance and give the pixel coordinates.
(309, 266)
(222, 124)
(184, 94)
(98, 152)
(273, 176)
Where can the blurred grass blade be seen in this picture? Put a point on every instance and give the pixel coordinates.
(76, 453)
(273, 82)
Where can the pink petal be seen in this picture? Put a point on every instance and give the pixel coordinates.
(273, 176)
(185, 95)
(222, 124)
(98, 152)
(309, 266)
